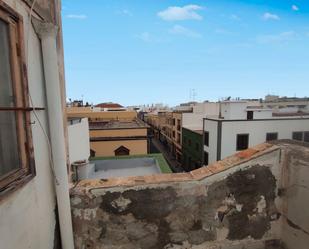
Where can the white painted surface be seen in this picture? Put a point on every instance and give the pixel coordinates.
(262, 114)
(194, 120)
(234, 110)
(207, 108)
(27, 217)
(257, 133)
(79, 146)
(48, 35)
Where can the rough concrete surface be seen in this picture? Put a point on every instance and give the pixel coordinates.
(236, 207)
(239, 207)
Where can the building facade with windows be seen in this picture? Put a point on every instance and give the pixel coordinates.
(241, 126)
(118, 138)
(192, 149)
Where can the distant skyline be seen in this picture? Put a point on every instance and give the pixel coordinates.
(142, 52)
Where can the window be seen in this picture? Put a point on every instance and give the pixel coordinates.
(249, 115)
(16, 159)
(206, 138)
(271, 136)
(189, 142)
(178, 124)
(122, 151)
(297, 135)
(184, 140)
(301, 136)
(242, 141)
(206, 158)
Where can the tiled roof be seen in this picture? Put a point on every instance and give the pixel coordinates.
(109, 105)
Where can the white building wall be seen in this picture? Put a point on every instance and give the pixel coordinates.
(262, 114)
(79, 145)
(211, 127)
(234, 110)
(208, 108)
(257, 132)
(27, 216)
(192, 121)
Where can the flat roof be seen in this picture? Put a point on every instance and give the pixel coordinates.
(114, 125)
(262, 119)
(125, 167)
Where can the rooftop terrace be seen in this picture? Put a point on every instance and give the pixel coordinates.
(254, 199)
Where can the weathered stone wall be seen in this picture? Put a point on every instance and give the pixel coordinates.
(295, 193)
(236, 207)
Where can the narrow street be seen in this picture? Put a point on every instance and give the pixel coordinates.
(174, 165)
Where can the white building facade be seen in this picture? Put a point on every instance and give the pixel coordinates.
(79, 143)
(241, 126)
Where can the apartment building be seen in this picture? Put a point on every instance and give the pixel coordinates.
(113, 133)
(192, 149)
(118, 138)
(287, 105)
(168, 126)
(242, 125)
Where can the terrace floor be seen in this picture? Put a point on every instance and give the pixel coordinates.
(125, 167)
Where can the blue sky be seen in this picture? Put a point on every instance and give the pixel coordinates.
(155, 51)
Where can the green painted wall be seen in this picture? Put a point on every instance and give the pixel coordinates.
(192, 148)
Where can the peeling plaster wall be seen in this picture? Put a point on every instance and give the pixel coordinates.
(295, 192)
(236, 208)
(28, 215)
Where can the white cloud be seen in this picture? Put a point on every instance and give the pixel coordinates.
(180, 30)
(295, 7)
(74, 16)
(270, 16)
(277, 38)
(175, 13)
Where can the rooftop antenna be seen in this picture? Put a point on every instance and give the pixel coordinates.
(192, 94)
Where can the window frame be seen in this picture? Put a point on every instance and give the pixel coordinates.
(242, 134)
(250, 115)
(26, 171)
(270, 134)
(294, 133)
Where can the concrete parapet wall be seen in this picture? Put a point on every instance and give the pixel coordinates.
(234, 203)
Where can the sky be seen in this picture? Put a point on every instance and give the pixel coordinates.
(165, 51)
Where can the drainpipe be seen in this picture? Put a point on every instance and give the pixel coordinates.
(48, 34)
